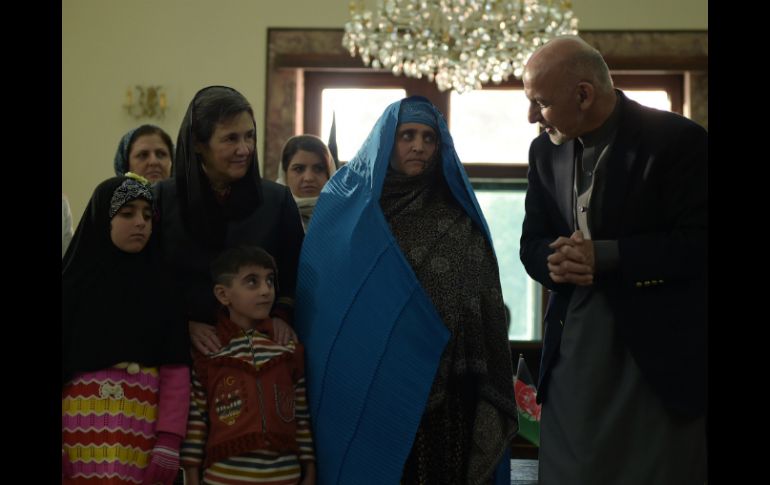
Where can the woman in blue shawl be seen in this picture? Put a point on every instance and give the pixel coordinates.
(399, 303)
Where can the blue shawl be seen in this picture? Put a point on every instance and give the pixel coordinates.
(373, 338)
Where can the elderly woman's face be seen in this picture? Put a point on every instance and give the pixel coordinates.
(150, 158)
(414, 149)
(228, 153)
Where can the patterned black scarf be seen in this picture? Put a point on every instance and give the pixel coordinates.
(470, 416)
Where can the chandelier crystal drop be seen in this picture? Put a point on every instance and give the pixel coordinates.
(461, 44)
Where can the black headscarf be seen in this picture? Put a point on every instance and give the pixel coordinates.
(116, 306)
(203, 215)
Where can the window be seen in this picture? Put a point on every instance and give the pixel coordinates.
(502, 204)
(357, 100)
(484, 133)
(355, 111)
(658, 99)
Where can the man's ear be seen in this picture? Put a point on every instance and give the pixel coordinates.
(586, 95)
(221, 293)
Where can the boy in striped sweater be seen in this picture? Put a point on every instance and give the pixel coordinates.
(248, 420)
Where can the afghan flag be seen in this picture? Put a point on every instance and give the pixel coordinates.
(529, 410)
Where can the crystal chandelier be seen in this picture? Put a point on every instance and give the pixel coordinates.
(459, 43)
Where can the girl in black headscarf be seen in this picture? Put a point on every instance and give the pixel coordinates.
(125, 374)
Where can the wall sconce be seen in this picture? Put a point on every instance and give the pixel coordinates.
(149, 102)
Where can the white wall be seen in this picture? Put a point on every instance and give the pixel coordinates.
(184, 45)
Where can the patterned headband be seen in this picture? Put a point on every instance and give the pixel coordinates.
(131, 189)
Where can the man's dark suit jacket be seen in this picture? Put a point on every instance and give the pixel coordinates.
(654, 205)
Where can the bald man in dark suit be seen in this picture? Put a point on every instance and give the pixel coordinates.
(615, 228)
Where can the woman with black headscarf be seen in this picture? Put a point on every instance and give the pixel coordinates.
(218, 200)
(125, 351)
